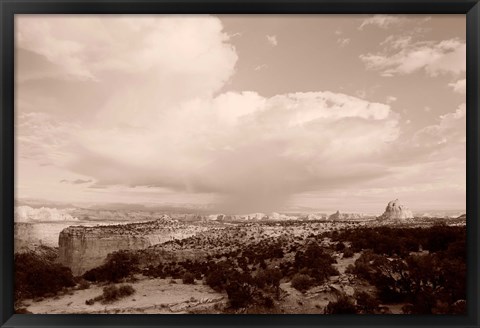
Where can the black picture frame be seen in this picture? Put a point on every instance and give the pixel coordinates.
(8, 8)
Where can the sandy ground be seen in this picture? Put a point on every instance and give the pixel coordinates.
(151, 296)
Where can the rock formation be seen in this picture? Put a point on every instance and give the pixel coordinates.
(337, 216)
(315, 217)
(83, 248)
(396, 212)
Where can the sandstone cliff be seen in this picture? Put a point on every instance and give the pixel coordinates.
(83, 248)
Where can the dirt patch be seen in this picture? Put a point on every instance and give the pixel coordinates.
(153, 296)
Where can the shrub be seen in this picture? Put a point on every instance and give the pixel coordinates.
(216, 280)
(113, 293)
(340, 246)
(188, 278)
(301, 282)
(93, 300)
(315, 262)
(268, 302)
(117, 266)
(239, 294)
(348, 252)
(366, 302)
(268, 277)
(343, 305)
(83, 284)
(36, 276)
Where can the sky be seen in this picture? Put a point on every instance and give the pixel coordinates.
(252, 113)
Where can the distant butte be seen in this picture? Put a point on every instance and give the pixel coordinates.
(395, 211)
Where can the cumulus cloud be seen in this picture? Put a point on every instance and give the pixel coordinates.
(162, 48)
(382, 21)
(43, 214)
(459, 86)
(272, 40)
(402, 56)
(244, 146)
(389, 21)
(450, 130)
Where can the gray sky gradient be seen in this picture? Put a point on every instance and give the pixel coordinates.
(256, 113)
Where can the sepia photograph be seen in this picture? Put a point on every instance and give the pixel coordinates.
(240, 164)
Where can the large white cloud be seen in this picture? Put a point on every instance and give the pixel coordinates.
(241, 145)
(172, 57)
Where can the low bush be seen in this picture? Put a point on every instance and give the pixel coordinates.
(302, 282)
(340, 246)
(315, 262)
(36, 276)
(216, 279)
(118, 265)
(268, 277)
(348, 252)
(366, 302)
(113, 293)
(239, 294)
(83, 284)
(93, 300)
(343, 305)
(188, 278)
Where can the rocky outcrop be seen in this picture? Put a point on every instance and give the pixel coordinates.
(83, 248)
(315, 217)
(396, 212)
(337, 216)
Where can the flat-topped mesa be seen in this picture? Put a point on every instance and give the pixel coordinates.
(83, 248)
(337, 216)
(396, 212)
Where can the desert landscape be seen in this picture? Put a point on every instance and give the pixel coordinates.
(256, 263)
